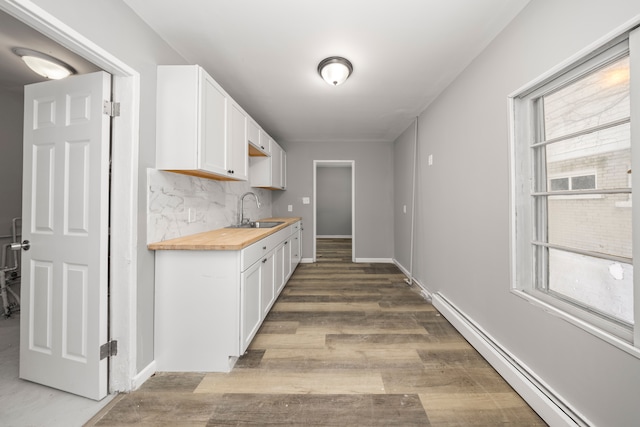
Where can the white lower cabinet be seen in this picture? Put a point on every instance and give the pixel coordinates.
(296, 248)
(210, 304)
(251, 304)
(287, 259)
(268, 292)
(278, 276)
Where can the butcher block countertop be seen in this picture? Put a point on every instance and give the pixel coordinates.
(222, 239)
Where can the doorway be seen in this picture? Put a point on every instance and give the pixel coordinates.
(122, 207)
(334, 208)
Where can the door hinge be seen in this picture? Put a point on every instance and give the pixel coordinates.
(111, 109)
(109, 349)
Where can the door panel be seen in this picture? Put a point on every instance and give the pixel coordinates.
(65, 218)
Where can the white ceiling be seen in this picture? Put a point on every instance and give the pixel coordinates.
(265, 54)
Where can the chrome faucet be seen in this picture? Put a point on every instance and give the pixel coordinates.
(241, 218)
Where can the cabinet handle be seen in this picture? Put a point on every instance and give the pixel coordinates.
(264, 260)
(286, 242)
(262, 146)
(264, 248)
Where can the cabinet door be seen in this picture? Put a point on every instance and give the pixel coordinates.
(287, 258)
(178, 85)
(267, 293)
(237, 141)
(265, 141)
(251, 313)
(253, 133)
(283, 169)
(213, 122)
(276, 165)
(295, 250)
(278, 277)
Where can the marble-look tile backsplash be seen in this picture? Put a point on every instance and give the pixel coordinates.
(213, 204)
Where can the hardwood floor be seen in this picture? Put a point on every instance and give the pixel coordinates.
(345, 344)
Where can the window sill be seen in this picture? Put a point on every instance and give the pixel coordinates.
(577, 196)
(606, 336)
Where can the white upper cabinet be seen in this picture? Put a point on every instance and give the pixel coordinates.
(202, 131)
(199, 129)
(269, 172)
(265, 142)
(257, 146)
(239, 164)
(283, 169)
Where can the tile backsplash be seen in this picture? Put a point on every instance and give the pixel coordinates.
(173, 198)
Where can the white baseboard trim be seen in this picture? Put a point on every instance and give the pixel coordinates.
(374, 260)
(546, 402)
(334, 236)
(426, 293)
(401, 267)
(143, 375)
(306, 260)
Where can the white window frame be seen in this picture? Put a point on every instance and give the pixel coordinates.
(522, 133)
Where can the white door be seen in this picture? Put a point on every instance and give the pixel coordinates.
(63, 318)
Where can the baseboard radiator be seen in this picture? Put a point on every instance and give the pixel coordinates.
(548, 404)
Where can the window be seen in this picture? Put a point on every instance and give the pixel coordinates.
(580, 182)
(571, 183)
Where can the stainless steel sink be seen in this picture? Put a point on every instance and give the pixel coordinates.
(257, 224)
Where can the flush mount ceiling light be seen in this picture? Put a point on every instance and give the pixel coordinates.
(43, 64)
(335, 70)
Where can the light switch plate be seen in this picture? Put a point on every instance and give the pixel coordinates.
(290, 208)
(305, 201)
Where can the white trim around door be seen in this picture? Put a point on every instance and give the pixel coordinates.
(124, 183)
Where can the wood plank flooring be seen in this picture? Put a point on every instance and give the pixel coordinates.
(345, 344)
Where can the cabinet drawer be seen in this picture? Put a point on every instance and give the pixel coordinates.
(255, 252)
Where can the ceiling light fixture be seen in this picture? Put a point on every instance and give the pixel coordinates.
(43, 64)
(335, 70)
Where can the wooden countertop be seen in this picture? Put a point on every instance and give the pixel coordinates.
(222, 239)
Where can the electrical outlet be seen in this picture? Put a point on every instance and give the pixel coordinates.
(430, 160)
(404, 208)
(305, 201)
(290, 208)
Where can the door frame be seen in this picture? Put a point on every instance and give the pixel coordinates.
(123, 187)
(335, 163)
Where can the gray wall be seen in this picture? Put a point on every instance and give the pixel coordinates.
(373, 192)
(11, 113)
(462, 231)
(403, 165)
(138, 46)
(333, 195)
